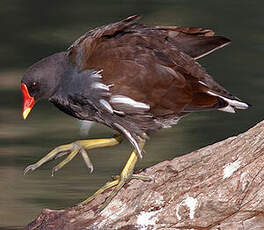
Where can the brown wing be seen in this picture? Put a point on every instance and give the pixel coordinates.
(80, 51)
(194, 41)
(145, 64)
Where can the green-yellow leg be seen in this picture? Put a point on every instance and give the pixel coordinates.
(119, 181)
(72, 150)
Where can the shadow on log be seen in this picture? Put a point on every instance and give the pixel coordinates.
(220, 186)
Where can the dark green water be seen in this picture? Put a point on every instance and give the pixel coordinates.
(32, 29)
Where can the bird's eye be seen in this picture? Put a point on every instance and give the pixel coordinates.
(34, 84)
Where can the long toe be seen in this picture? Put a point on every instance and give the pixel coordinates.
(71, 150)
(30, 168)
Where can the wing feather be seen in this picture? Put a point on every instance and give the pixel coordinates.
(155, 66)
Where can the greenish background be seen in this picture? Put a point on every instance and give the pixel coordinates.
(31, 30)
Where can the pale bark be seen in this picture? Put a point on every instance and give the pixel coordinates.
(220, 186)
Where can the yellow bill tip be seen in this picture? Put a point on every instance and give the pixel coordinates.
(26, 112)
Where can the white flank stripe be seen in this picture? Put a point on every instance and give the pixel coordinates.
(128, 101)
(98, 85)
(235, 103)
(96, 75)
(119, 112)
(107, 106)
(130, 138)
(99, 71)
(202, 83)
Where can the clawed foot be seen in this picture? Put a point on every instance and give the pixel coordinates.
(72, 150)
(119, 182)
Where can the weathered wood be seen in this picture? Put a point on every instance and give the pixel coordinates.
(220, 186)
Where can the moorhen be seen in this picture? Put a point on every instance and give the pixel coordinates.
(131, 77)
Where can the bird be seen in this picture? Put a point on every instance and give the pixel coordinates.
(131, 77)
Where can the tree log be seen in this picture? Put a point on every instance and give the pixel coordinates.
(220, 186)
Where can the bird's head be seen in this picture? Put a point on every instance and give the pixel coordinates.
(41, 80)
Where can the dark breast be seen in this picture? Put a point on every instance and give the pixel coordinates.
(84, 95)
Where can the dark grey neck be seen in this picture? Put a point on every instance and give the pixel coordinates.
(59, 67)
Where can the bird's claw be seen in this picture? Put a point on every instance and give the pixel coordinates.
(30, 168)
(71, 150)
